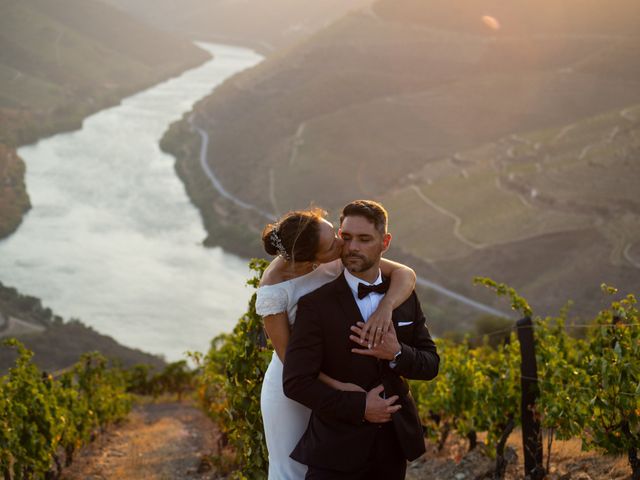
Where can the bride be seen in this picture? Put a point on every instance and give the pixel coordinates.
(308, 256)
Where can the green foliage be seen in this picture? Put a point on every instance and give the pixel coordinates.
(176, 378)
(40, 415)
(591, 388)
(140, 380)
(31, 419)
(560, 361)
(588, 388)
(230, 381)
(476, 390)
(612, 362)
(501, 402)
(518, 303)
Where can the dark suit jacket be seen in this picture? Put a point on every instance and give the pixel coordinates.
(337, 436)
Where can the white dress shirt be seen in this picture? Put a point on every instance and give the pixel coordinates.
(368, 304)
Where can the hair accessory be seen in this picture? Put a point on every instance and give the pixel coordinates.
(275, 239)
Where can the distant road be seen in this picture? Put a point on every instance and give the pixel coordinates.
(215, 182)
(15, 327)
(461, 298)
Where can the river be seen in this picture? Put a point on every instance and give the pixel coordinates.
(112, 238)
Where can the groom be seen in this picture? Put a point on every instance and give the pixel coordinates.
(358, 435)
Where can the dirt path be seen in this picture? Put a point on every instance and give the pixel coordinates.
(167, 441)
(159, 441)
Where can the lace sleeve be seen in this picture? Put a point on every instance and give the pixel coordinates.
(271, 299)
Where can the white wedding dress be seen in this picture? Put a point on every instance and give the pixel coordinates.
(284, 419)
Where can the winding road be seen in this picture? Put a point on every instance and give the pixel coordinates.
(423, 282)
(214, 180)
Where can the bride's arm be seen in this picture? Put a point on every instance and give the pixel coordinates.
(277, 328)
(403, 281)
(337, 385)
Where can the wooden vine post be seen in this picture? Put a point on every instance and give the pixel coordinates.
(531, 433)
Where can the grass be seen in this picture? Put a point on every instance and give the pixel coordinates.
(427, 233)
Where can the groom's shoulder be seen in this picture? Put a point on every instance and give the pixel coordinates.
(323, 293)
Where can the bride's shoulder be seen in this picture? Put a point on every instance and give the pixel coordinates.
(272, 275)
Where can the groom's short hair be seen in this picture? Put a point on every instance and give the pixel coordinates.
(372, 211)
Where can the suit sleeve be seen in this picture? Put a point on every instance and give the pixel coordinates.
(419, 359)
(302, 365)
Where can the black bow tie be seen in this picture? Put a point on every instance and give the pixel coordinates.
(364, 290)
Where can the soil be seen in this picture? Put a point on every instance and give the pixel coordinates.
(175, 440)
(568, 462)
(159, 441)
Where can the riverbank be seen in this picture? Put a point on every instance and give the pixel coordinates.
(14, 197)
(113, 239)
(227, 225)
(63, 62)
(56, 343)
(14, 201)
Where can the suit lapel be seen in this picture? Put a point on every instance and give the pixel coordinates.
(346, 300)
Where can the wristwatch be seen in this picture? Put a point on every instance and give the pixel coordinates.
(396, 356)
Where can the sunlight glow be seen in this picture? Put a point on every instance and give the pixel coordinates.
(491, 22)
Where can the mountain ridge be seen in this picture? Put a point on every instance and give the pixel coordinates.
(62, 61)
(369, 104)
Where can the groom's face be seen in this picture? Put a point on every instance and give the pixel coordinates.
(363, 244)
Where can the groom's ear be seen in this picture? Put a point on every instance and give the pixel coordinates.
(386, 241)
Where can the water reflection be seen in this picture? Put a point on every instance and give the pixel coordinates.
(112, 238)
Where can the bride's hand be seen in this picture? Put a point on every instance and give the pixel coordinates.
(378, 324)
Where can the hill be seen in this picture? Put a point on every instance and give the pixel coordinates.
(501, 135)
(61, 61)
(265, 25)
(13, 193)
(56, 343)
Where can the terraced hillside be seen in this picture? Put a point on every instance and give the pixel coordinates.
(554, 210)
(61, 61)
(502, 136)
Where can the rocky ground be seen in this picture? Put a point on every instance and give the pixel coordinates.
(170, 440)
(568, 462)
(159, 441)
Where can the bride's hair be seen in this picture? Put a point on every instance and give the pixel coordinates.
(295, 236)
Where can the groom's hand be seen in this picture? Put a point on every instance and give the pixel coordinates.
(378, 409)
(384, 350)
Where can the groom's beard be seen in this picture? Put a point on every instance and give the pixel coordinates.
(357, 263)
